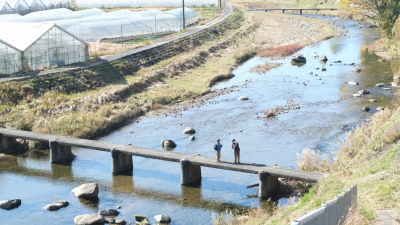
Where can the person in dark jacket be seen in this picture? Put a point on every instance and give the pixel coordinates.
(236, 150)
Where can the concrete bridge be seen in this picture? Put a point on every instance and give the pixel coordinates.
(60, 151)
(288, 9)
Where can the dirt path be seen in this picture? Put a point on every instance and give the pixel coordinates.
(385, 217)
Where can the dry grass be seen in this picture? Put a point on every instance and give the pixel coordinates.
(311, 160)
(103, 49)
(281, 51)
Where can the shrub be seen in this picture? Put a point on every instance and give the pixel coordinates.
(310, 160)
(280, 51)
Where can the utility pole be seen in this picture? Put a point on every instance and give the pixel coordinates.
(183, 14)
(220, 4)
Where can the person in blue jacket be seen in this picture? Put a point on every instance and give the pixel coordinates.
(219, 147)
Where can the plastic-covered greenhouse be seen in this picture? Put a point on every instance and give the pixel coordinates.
(51, 12)
(39, 45)
(117, 13)
(90, 12)
(5, 8)
(191, 16)
(143, 3)
(35, 5)
(65, 24)
(19, 6)
(10, 59)
(40, 18)
(127, 28)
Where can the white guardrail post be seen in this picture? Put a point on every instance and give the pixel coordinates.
(333, 212)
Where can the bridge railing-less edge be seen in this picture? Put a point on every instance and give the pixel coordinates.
(333, 212)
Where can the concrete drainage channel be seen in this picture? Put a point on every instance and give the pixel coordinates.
(333, 212)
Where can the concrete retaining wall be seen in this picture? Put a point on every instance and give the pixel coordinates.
(333, 212)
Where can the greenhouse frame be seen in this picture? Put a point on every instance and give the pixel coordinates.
(40, 45)
(5, 8)
(19, 6)
(126, 29)
(143, 3)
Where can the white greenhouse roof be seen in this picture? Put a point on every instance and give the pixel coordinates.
(22, 35)
(13, 3)
(40, 18)
(65, 24)
(9, 16)
(117, 13)
(90, 12)
(142, 3)
(50, 12)
(151, 12)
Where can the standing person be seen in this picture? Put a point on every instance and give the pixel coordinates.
(217, 148)
(236, 150)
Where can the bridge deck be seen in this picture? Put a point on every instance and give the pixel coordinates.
(166, 155)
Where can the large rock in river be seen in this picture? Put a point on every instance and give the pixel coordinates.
(9, 204)
(241, 98)
(323, 58)
(163, 219)
(299, 58)
(168, 143)
(352, 83)
(108, 212)
(89, 219)
(57, 205)
(89, 190)
(189, 130)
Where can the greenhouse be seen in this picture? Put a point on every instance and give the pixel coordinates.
(143, 3)
(127, 28)
(66, 24)
(40, 45)
(10, 59)
(150, 12)
(90, 12)
(5, 8)
(50, 12)
(191, 16)
(35, 5)
(117, 13)
(19, 6)
(40, 18)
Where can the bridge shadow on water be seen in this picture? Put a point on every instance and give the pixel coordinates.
(121, 183)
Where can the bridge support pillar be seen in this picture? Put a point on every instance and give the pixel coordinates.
(301, 12)
(268, 185)
(59, 153)
(190, 173)
(120, 161)
(283, 11)
(7, 143)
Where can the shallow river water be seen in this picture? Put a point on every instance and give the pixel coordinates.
(154, 187)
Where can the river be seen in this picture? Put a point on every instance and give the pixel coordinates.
(154, 187)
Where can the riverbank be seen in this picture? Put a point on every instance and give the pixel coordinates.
(92, 102)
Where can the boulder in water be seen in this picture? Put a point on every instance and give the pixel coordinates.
(169, 143)
(89, 190)
(189, 130)
(192, 138)
(108, 212)
(380, 108)
(380, 85)
(9, 204)
(357, 70)
(373, 100)
(57, 205)
(352, 83)
(241, 98)
(323, 58)
(299, 58)
(89, 219)
(162, 219)
(363, 92)
(365, 109)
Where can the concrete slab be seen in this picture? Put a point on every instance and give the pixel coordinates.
(243, 167)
